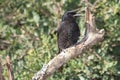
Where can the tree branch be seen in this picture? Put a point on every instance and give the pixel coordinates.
(1, 76)
(9, 68)
(92, 36)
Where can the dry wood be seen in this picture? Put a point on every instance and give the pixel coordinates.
(92, 36)
(9, 68)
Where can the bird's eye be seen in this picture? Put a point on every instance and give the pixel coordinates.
(69, 14)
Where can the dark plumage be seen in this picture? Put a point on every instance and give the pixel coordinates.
(68, 32)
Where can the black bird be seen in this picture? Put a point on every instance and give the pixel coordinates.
(68, 32)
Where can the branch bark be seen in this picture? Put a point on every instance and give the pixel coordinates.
(1, 76)
(92, 36)
(9, 68)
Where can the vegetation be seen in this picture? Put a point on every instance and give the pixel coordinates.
(25, 35)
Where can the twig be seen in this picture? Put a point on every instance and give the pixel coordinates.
(1, 76)
(9, 68)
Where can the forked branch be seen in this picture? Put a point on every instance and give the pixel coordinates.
(92, 36)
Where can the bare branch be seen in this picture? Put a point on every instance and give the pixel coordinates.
(93, 36)
(1, 76)
(9, 68)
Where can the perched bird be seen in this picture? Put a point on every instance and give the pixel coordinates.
(68, 32)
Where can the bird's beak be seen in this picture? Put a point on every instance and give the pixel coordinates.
(76, 15)
(75, 11)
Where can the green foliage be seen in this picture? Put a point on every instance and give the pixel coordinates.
(25, 28)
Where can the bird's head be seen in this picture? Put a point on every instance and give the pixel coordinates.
(70, 15)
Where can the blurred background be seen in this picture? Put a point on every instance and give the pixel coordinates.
(25, 35)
